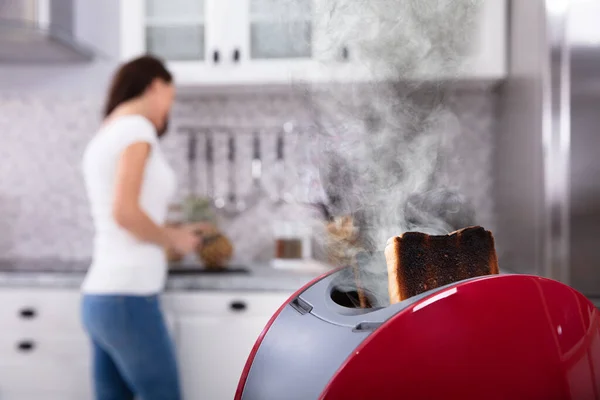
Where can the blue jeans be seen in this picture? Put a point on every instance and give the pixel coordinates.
(133, 356)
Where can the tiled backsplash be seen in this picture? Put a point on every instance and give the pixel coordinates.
(43, 206)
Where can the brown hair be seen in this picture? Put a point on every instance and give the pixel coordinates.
(133, 78)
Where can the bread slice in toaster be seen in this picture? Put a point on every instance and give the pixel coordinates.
(418, 262)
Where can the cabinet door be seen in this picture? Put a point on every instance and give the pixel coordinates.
(175, 30)
(279, 30)
(212, 352)
(44, 352)
(351, 33)
(490, 45)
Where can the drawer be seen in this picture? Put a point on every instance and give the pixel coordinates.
(41, 363)
(51, 379)
(50, 310)
(28, 350)
(223, 303)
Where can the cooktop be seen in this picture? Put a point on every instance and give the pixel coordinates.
(199, 270)
(80, 267)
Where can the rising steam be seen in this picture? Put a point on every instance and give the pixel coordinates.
(381, 145)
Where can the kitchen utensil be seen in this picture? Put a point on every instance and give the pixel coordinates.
(338, 182)
(281, 196)
(323, 209)
(192, 171)
(511, 325)
(218, 202)
(195, 208)
(257, 192)
(233, 205)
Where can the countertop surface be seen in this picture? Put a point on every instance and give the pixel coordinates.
(66, 274)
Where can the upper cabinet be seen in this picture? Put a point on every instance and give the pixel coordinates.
(489, 60)
(233, 42)
(175, 29)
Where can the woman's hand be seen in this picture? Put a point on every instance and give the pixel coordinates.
(201, 228)
(183, 240)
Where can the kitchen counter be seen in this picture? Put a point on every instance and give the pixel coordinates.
(70, 274)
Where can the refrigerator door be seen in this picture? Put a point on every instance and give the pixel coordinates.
(584, 43)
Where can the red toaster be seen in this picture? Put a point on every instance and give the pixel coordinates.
(495, 337)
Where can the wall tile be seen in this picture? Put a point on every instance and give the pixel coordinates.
(43, 207)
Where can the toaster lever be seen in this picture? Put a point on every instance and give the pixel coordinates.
(301, 306)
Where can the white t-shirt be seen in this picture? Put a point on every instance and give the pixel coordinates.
(122, 264)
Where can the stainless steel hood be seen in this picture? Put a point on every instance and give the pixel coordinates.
(40, 32)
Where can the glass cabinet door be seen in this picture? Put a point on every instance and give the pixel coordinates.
(176, 29)
(280, 29)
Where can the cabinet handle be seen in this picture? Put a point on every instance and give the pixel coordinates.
(345, 53)
(236, 55)
(27, 313)
(216, 56)
(25, 346)
(238, 305)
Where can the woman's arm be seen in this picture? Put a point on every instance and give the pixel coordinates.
(127, 212)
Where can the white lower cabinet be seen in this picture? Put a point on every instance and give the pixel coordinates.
(215, 333)
(212, 354)
(45, 353)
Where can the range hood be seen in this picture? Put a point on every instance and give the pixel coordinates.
(40, 32)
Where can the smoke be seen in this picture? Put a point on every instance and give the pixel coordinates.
(381, 145)
(400, 37)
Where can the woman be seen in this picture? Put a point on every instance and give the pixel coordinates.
(129, 185)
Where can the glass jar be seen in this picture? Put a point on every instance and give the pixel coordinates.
(292, 243)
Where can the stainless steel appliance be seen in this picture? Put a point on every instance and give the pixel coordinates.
(536, 343)
(40, 32)
(547, 168)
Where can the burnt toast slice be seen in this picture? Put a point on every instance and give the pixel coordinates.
(418, 262)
